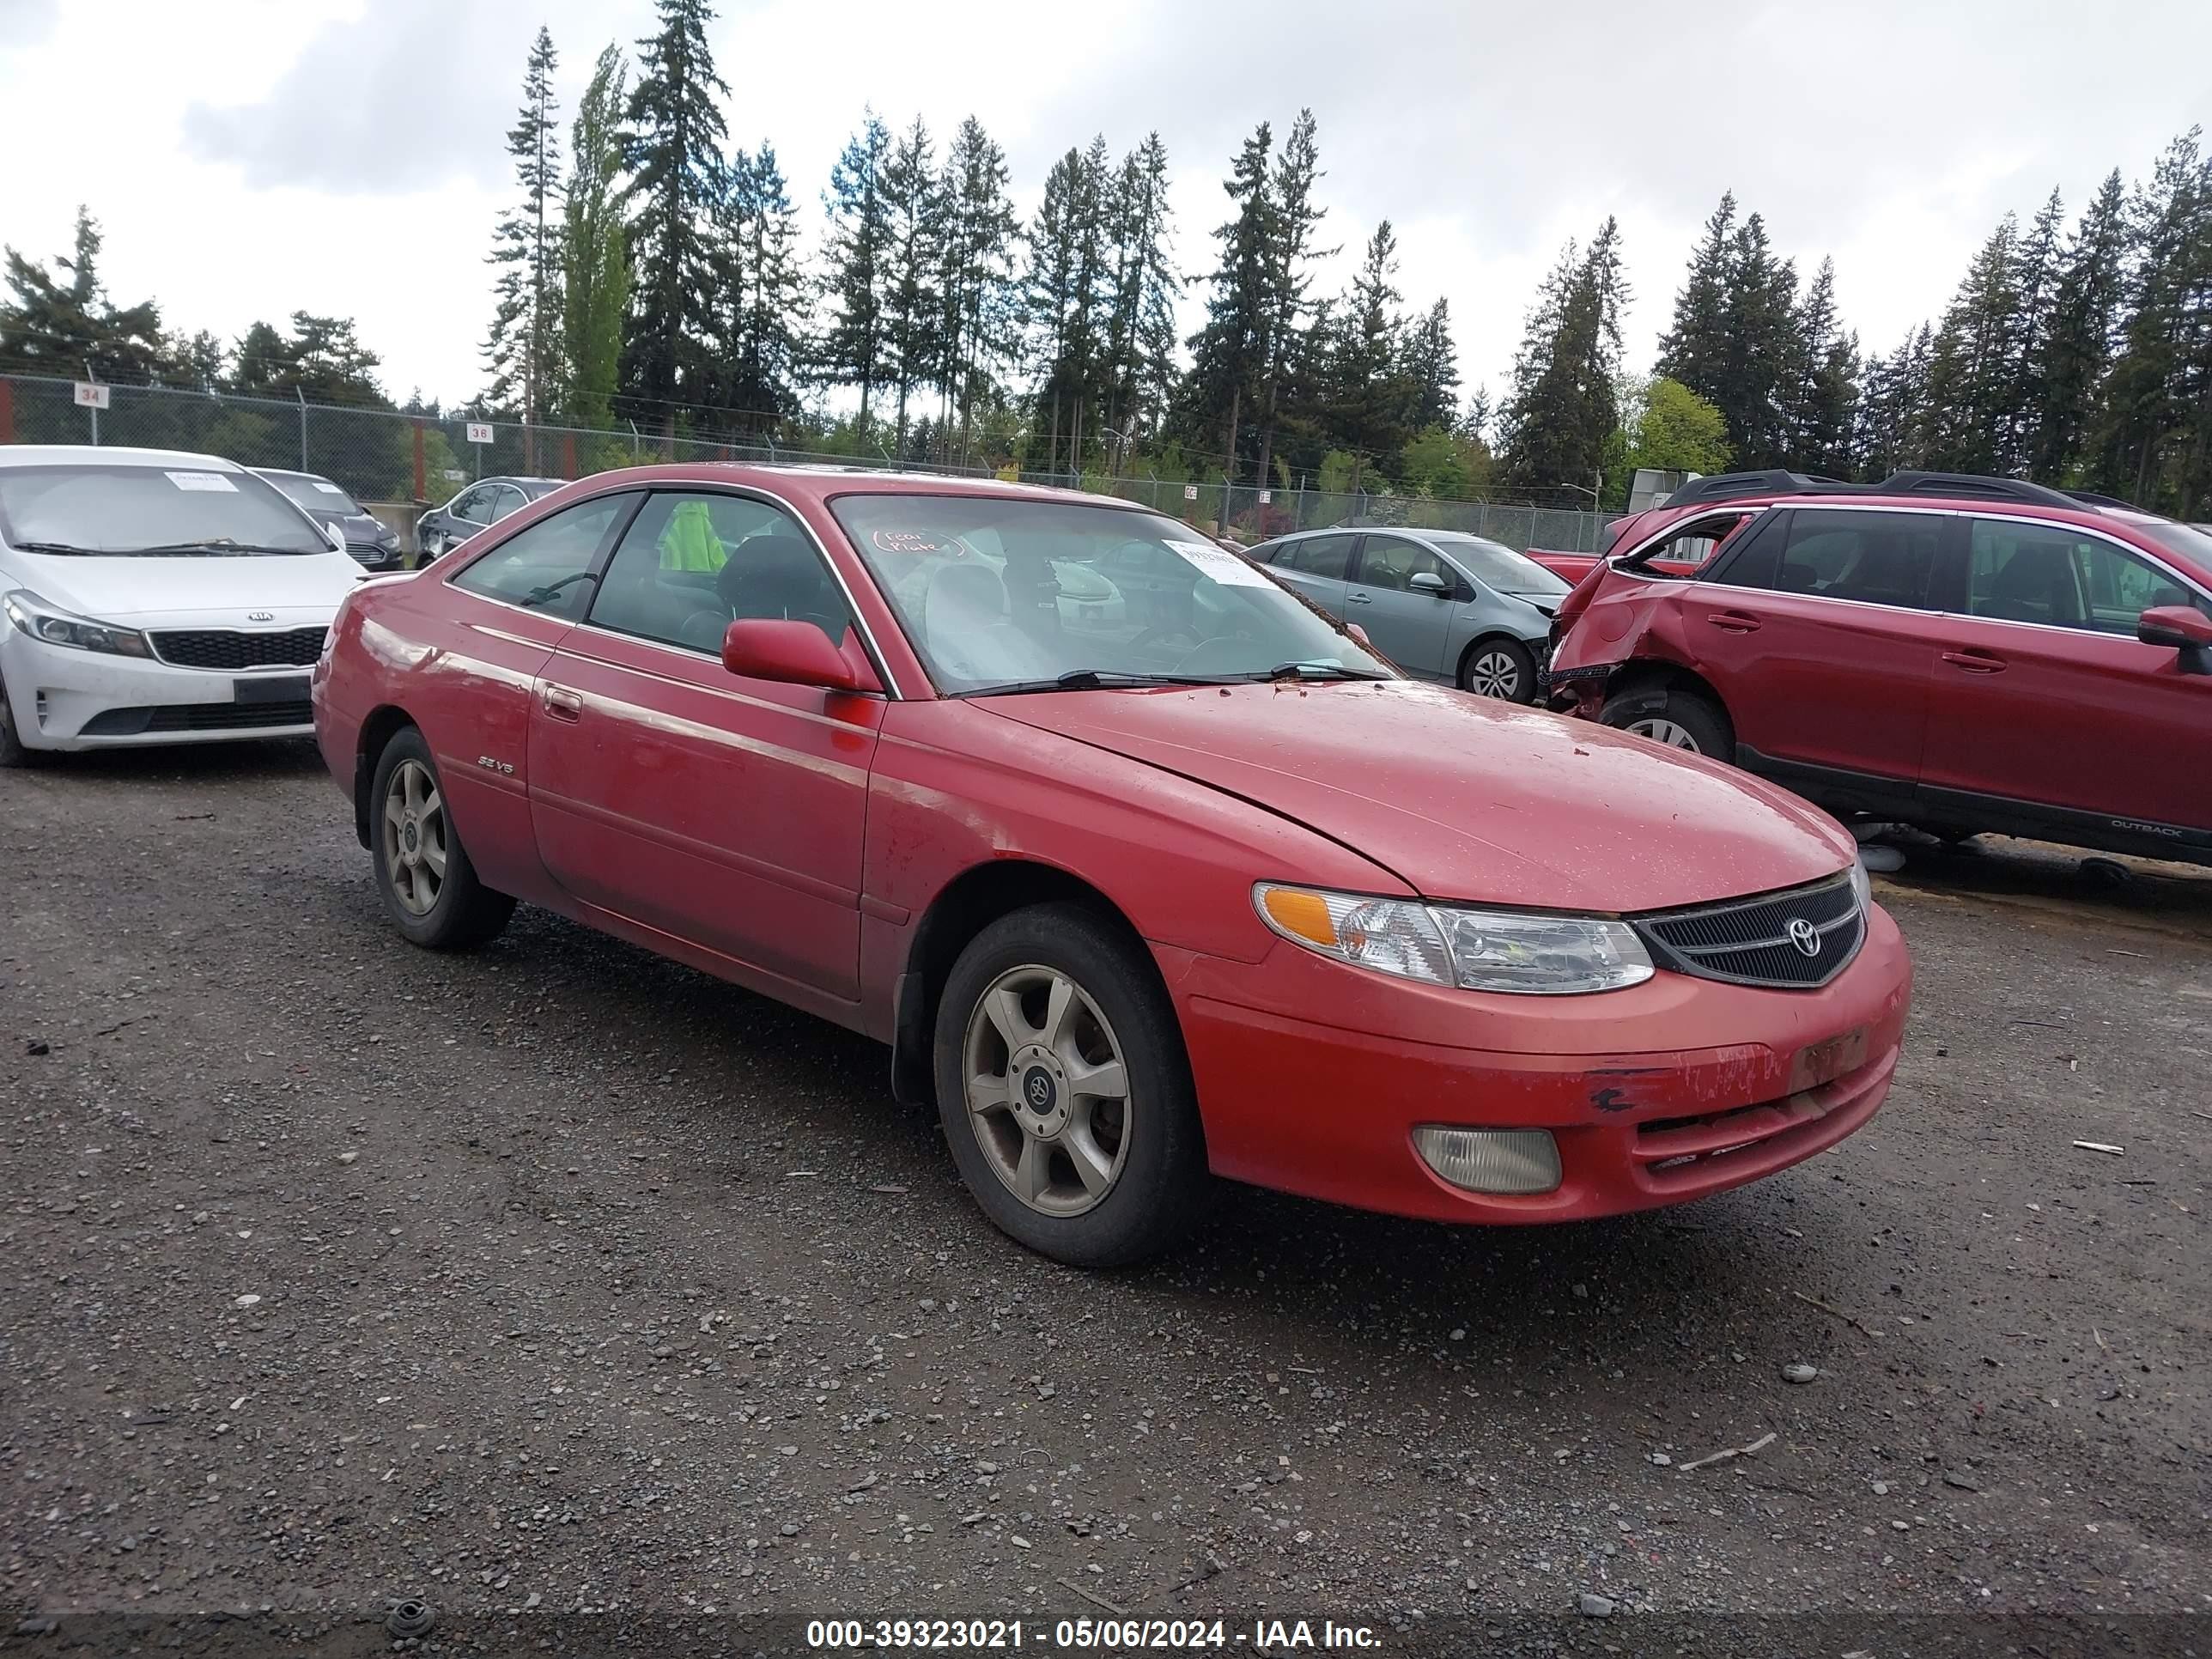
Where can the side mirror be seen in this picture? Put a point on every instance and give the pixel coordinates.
(2182, 628)
(1427, 582)
(1359, 638)
(787, 653)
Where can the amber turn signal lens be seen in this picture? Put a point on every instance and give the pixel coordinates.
(1305, 915)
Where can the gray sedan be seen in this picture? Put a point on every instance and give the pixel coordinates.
(1440, 603)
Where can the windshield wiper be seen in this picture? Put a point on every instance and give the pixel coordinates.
(1093, 679)
(56, 547)
(1312, 671)
(220, 545)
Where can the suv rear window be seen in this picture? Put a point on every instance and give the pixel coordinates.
(1875, 558)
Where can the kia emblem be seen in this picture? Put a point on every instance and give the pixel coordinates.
(1805, 937)
(261, 615)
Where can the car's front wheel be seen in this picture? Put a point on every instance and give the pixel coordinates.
(1676, 718)
(429, 886)
(14, 752)
(1500, 668)
(1064, 1089)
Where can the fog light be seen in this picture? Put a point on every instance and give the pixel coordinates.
(1490, 1160)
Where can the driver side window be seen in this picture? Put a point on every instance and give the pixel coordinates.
(693, 563)
(1391, 562)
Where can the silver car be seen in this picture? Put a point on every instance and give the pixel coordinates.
(1440, 603)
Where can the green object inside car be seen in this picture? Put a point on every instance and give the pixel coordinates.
(690, 542)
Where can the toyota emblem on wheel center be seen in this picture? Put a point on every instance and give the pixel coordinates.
(1803, 935)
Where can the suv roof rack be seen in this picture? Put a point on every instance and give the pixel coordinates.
(1736, 486)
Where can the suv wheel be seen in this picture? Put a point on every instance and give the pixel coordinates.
(429, 888)
(1064, 1089)
(1500, 668)
(1675, 718)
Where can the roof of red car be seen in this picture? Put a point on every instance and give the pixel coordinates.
(820, 482)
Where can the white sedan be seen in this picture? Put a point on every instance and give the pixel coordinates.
(150, 597)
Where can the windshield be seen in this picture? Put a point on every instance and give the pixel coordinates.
(316, 494)
(117, 510)
(2186, 540)
(1499, 566)
(996, 594)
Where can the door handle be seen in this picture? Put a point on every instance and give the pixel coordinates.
(1975, 662)
(1359, 599)
(562, 704)
(1733, 622)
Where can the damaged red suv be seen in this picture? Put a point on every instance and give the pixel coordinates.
(1959, 653)
(1141, 866)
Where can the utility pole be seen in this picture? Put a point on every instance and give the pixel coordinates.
(303, 397)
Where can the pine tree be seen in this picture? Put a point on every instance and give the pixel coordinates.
(1370, 399)
(1064, 289)
(674, 150)
(768, 308)
(1894, 416)
(70, 328)
(1969, 375)
(1297, 219)
(1823, 397)
(1695, 351)
(1141, 320)
(2036, 270)
(594, 250)
(857, 345)
(1431, 366)
(1564, 410)
(1758, 355)
(1230, 351)
(523, 349)
(2075, 353)
(2158, 418)
(915, 212)
(977, 327)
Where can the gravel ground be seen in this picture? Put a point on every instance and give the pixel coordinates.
(563, 1278)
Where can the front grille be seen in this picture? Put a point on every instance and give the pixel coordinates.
(1750, 941)
(200, 717)
(232, 648)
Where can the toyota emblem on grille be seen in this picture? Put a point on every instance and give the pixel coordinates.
(261, 615)
(1804, 937)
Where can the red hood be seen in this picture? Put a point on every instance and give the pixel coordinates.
(1467, 799)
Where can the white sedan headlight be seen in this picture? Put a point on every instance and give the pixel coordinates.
(1528, 954)
(44, 622)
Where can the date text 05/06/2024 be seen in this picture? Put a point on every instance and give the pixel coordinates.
(1107, 1634)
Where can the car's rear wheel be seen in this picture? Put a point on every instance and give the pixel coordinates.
(1064, 1089)
(428, 885)
(1673, 717)
(1500, 668)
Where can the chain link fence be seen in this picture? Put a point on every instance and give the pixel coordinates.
(410, 461)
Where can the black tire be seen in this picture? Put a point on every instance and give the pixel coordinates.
(465, 913)
(1162, 1177)
(1524, 668)
(14, 752)
(1689, 715)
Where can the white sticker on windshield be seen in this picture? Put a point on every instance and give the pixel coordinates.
(328, 489)
(1218, 563)
(207, 481)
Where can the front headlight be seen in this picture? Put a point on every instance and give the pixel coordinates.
(43, 622)
(1447, 945)
(1862, 885)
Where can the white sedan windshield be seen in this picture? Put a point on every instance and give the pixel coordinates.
(998, 594)
(149, 509)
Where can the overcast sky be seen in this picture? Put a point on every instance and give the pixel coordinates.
(248, 158)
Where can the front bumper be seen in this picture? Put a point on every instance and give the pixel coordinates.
(1312, 1078)
(67, 700)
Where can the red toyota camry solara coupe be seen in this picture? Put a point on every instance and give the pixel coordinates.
(1142, 867)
